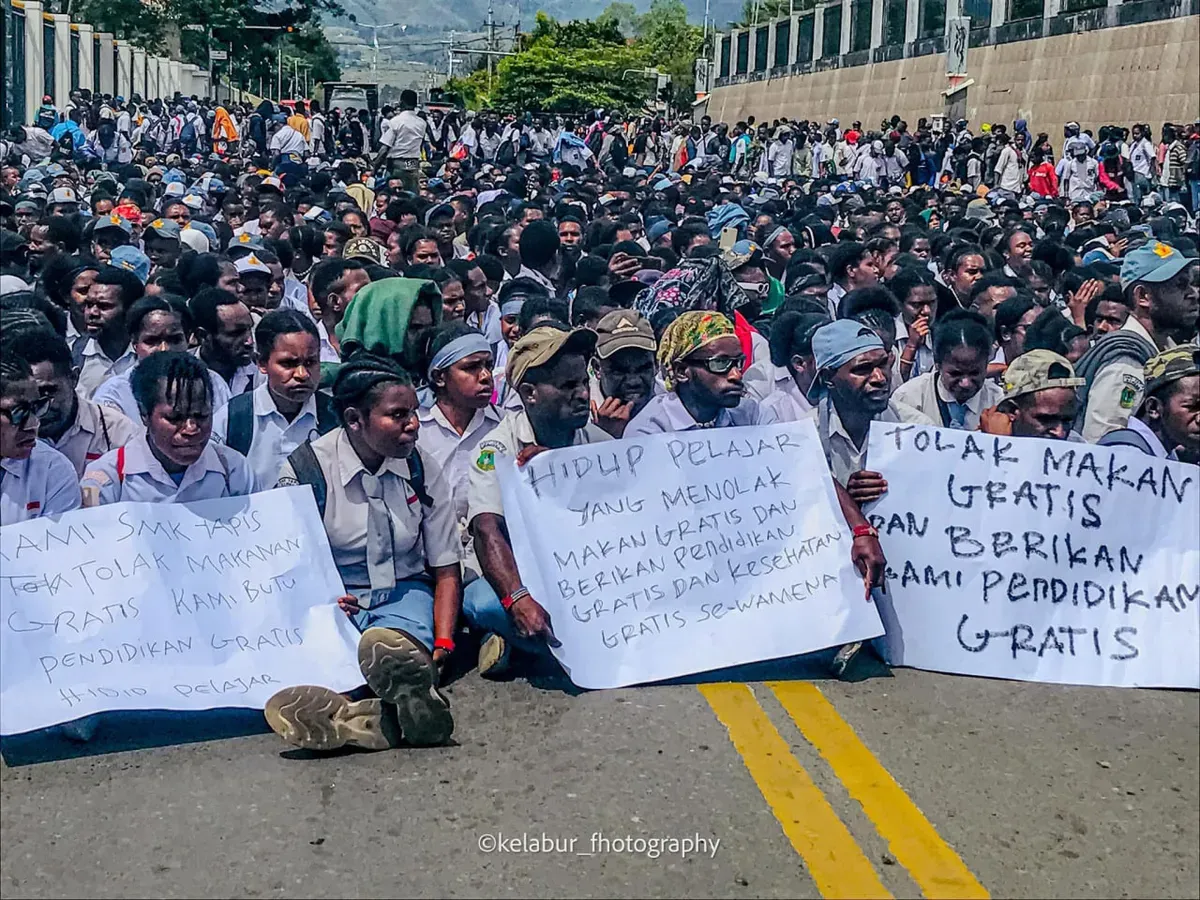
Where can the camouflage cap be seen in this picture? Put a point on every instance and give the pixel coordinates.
(1038, 370)
(1171, 365)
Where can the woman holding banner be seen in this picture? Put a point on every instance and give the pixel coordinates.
(389, 516)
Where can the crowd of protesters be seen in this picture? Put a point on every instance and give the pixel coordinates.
(199, 302)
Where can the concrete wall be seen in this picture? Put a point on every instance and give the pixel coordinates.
(1134, 73)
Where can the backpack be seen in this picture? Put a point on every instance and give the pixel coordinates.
(1126, 437)
(506, 155)
(308, 471)
(1113, 346)
(187, 134)
(240, 431)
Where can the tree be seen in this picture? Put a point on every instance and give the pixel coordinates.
(673, 45)
(570, 80)
(623, 15)
(759, 12)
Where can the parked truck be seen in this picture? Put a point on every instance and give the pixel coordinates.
(351, 94)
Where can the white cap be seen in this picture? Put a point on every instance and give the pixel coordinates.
(251, 263)
(175, 189)
(11, 284)
(63, 195)
(193, 201)
(195, 239)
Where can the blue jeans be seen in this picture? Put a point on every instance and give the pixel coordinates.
(481, 606)
(407, 607)
(1194, 184)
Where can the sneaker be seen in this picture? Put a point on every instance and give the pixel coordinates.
(402, 673)
(316, 718)
(495, 657)
(845, 656)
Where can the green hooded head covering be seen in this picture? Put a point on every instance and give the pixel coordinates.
(377, 320)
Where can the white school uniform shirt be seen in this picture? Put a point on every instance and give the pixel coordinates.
(514, 433)
(288, 140)
(418, 536)
(96, 430)
(117, 393)
(219, 472)
(328, 354)
(273, 438)
(923, 392)
(455, 453)
(97, 368)
(45, 484)
(488, 323)
(666, 413)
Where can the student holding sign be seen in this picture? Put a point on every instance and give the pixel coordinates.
(173, 461)
(35, 479)
(1167, 424)
(702, 363)
(548, 368)
(390, 521)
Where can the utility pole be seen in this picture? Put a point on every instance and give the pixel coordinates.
(491, 27)
(450, 58)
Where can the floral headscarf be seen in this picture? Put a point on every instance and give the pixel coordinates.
(687, 334)
(695, 284)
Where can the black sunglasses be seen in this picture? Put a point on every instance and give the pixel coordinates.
(719, 365)
(20, 414)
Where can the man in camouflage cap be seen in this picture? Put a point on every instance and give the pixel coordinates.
(1040, 396)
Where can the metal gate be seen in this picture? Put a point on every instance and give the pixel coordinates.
(14, 65)
(95, 64)
(74, 61)
(48, 59)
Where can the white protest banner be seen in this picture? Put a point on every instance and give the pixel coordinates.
(182, 606)
(679, 553)
(1038, 560)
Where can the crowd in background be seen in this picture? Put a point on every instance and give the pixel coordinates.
(200, 301)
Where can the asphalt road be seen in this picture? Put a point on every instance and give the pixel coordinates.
(909, 785)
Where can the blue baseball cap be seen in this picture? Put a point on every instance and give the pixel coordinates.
(131, 259)
(112, 221)
(657, 230)
(1153, 262)
(836, 344)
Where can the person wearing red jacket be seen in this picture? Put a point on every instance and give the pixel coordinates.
(1042, 180)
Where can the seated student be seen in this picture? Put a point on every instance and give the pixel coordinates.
(536, 307)
(333, 284)
(702, 362)
(851, 390)
(225, 335)
(460, 415)
(390, 520)
(548, 367)
(36, 479)
(1039, 399)
(877, 308)
(103, 350)
(622, 380)
(1106, 312)
(957, 391)
(917, 292)
(154, 324)
(791, 350)
(82, 430)
(1011, 320)
(266, 424)
(173, 461)
(1167, 423)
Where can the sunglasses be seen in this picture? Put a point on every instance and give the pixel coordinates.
(21, 413)
(759, 289)
(719, 365)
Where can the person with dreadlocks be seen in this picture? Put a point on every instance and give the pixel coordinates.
(389, 516)
(35, 479)
(173, 461)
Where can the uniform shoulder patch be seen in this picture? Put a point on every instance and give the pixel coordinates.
(486, 461)
(1128, 395)
(98, 477)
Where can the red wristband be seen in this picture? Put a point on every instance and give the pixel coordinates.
(865, 531)
(446, 644)
(519, 594)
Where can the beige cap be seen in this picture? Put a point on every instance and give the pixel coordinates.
(623, 329)
(1038, 370)
(541, 345)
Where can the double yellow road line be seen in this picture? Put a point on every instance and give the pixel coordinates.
(834, 859)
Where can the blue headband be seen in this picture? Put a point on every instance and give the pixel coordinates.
(458, 349)
(511, 308)
(774, 234)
